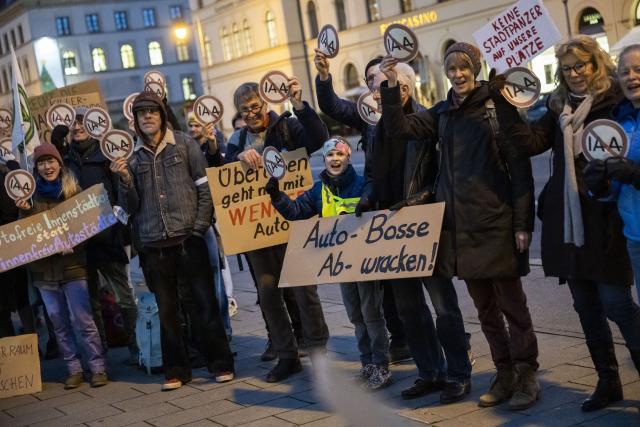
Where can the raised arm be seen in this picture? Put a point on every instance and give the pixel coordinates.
(301, 208)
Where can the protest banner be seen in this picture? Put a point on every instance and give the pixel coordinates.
(604, 138)
(517, 35)
(400, 42)
(19, 366)
(379, 245)
(245, 216)
(208, 109)
(274, 87)
(328, 42)
(63, 227)
(19, 184)
(274, 163)
(96, 122)
(368, 108)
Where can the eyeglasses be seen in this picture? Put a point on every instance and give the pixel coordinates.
(148, 110)
(578, 67)
(253, 109)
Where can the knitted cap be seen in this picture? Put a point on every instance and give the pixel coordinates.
(146, 99)
(470, 50)
(336, 143)
(46, 150)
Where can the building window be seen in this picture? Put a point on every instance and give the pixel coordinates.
(272, 32)
(373, 10)
(26, 71)
(13, 38)
(155, 53)
(175, 12)
(128, 58)
(591, 22)
(5, 79)
(342, 17)
(188, 88)
(121, 20)
(182, 50)
(406, 6)
(62, 26)
(1, 49)
(6, 42)
(246, 31)
(351, 77)
(548, 74)
(226, 44)
(69, 62)
(99, 59)
(93, 26)
(638, 14)
(237, 42)
(149, 18)
(20, 35)
(313, 19)
(208, 56)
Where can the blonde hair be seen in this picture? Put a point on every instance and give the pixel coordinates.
(587, 50)
(70, 185)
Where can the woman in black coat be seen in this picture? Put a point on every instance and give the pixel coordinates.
(582, 240)
(488, 191)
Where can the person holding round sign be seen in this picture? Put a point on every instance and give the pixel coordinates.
(582, 239)
(62, 278)
(488, 220)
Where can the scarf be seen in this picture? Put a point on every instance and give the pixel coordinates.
(51, 190)
(84, 146)
(572, 124)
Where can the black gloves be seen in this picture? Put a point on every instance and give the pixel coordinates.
(595, 176)
(623, 170)
(58, 135)
(273, 189)
(420, 198)
(364, 205)
(496, 84)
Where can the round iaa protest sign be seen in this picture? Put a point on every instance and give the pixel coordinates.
(400, 42)
(604, 138)
(116, 144)
(60, 114)
(328, 42)
(208, 109)
(368, 108)
(274, 87)
(154, 76)
(96, 122)
(19, 184)
(6, 119)
(522, 88)
(127, 105)
(155, 87)
(273, 162)
(5, 146)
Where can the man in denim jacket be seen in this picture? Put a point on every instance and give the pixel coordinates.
(164, 189)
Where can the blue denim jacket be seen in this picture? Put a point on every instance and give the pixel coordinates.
(168, 197)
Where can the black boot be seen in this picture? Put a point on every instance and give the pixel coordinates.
(283, 370)
(609, 387)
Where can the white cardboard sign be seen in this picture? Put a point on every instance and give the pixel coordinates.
(115, 144)
(274, 87)
(400, 42)
(328, 42)
(368, 108)
(273, 162)
(60, 114)
(604, 138)
(96, 122)
(517, 35)
(208, 109)
(522, 88)
(19, 184)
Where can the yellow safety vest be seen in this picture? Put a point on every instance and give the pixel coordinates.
(333, 205)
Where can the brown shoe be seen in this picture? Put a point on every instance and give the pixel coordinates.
(73, 381)
(527, 391)
(501, 388)
(99, 379)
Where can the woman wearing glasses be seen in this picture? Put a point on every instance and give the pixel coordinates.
(582, 240)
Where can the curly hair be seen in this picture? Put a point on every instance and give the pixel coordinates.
(587, 50)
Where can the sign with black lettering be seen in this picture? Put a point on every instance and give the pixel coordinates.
(19, 366)
(19, 184)
(6, 118)
(274, 87)
(154, 76)
(5, 146)
(116, 144)
(96, 122)
(368, 108)
(60, 114)
(379, 245)
(155, 87)
(273, 162)
(604, 138)
(127, 106)
(400, 42)
(328, 42)
(522, 88)
(208, 109)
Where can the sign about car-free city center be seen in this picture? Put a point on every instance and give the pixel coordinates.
(19, 366)
(245, 216)
(379, 245)
(517, 35)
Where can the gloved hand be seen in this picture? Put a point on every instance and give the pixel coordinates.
(364, 205)
(420, 198)
(623, 170)
(58, 135)
(273, 188)
(496, 84)
(595, 176)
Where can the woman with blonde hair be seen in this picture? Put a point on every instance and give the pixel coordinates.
(62, 278)
(582, 239)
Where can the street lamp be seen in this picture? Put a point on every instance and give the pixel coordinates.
(181, 31)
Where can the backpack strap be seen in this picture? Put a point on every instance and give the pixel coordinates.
(242, 140)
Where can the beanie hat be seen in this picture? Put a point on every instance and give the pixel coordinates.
(46, 150)
(336, 143)
(146, 99)
(471, 51)
(80, 112)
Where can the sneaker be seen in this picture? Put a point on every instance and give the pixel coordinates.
(365, 373)
(380, 378)
(233, 306)
(99, 379)
(171, 384)
(224, 376)
(269, 353)
(73, 381)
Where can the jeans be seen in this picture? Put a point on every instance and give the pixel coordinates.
(71, 299)
(189, 261)
(595, 302)
(428, 340)
(496, 300)
(633, 246)
(221, 293)
(363, 302)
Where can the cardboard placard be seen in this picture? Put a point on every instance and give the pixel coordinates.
(127, 105)
(244, 214)
(154, 76)
(522, 88)
(60, 114)
(273, 162)
(274, 87)
(155, 87)
(116, 144)
(6, 119)
(604, 138)
(328, 42)
(63, 227)
(368, 108)
(517, 35)
(96, 122)
(19, 184)
(400, 42)
(379, 245)
(19, 366)
(5, 146)
(208, 109)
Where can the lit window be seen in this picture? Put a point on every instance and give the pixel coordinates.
(155, 53)
(175, 12)
(373, 10)
(62, 26)
(342, 17)
(246, 31)
(272, 32)
(99, 59)
(182, 50)
(188, 88)
(351, 79)
(70, 63)
(208, 56)
(406, 6)
(237, 43)
(313, 19)
(121, 20)
(226, 44)
(128, 58)
(93, 26)
(149, 18)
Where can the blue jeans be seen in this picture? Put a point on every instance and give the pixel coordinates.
(363, 302)
(426, 339)
(595, 302)
(71, 299)
(221, 293)
(633, 246)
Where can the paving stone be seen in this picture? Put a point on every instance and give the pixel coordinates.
(154, 398)
(198, 413)
(567, 415)
(253, 413)
(54, 402)
(562, 373)
(268, 422)
(332, 421)
(12, 402)
(220, 393)
(35, 416)
(55, 389)
(621, 417)
(135, 415)
(278, 391)
(306, 415)
(113, 396)
(201, 423)
(487, 417)
(80, 417)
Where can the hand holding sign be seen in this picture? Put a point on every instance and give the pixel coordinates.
(604, 138)
(368, 108)
(400, 42)
(19, 184)
(208, 109)
(328, 42)
(116, 144)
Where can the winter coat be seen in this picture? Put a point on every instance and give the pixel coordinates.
(487, 189)
(8, 209)
(603, 258)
